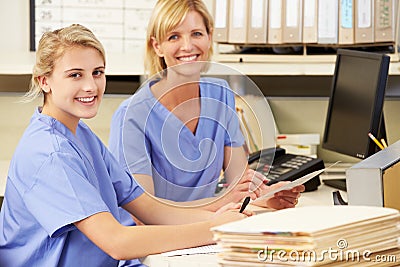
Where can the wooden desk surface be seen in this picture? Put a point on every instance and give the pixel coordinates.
(321, 197)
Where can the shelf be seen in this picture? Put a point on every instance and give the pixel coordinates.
(293, 68)
(289, 65)
(131, 64)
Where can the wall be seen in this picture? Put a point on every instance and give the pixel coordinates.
(15, 116)
(14, 26)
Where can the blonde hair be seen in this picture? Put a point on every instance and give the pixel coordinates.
(52, 46)
(167, 15)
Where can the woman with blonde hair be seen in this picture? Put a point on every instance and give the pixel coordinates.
(64, 188)
(180, 130)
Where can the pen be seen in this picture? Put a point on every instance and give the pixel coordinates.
(244, 204)
(384, 143)
(375, 140)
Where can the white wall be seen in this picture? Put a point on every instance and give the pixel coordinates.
(14, 26)
(15, 116)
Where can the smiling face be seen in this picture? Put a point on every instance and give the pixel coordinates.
(188, 42)
(76, 86)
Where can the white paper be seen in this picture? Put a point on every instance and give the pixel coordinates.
(220, 13)
(296, 182)
(275, 14)
(364, 14)
(196, 250)
(328, 20)
(292, 184)
(292, 13)
(257, 13)
(309, 13)
(239, 10)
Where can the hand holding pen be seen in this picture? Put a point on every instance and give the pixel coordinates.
(246, 201)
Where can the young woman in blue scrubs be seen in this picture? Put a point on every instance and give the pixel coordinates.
(178, 131)
(64, 188)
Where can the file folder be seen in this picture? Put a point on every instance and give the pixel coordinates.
(257, 23)
(237, 33)
(293, 21)
(385, 21)
(275, 22)
(221, 15)
(364, 21)
(346, 22)
(310, 21)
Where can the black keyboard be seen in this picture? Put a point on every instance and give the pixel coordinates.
(336, 183)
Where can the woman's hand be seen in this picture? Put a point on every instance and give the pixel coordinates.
(233, 207)
(229, 213)
(251, 184)
(281, 200)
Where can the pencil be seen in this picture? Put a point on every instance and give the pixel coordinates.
(384, 143)
(375, 140)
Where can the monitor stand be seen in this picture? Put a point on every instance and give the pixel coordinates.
(336, 183)
(336, 175)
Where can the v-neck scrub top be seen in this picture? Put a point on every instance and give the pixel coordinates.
(149, 139)
(57, 178)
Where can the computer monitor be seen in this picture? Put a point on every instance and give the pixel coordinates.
(356, 103)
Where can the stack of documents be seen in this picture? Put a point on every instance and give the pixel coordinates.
(299, 144)
(312, 236)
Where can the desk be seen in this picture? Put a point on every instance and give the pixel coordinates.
(322, 196)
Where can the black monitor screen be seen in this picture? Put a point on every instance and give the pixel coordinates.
(356, 102)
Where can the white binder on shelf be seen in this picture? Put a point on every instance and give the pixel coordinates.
(221, 20)
(385, 22)
(346, 22)
(364, 21)
(275, 22)
(293, 21)
(328, 11)
(257, 22)
(237, 33)
(310, 21)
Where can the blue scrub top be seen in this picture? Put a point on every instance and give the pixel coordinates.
(55, 179)
(148, 139)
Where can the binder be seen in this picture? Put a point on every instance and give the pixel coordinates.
(257, 22)
(310, 21)
(275, 22)
(346, 22)
(364, 21)
(237, 33)
(293, 21)
(328, 11)
(385, 24)
(221, 15)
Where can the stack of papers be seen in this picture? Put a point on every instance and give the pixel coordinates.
(299, 144)
(312, 236)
